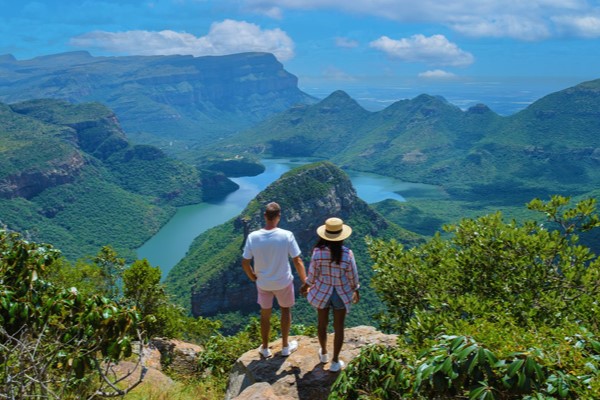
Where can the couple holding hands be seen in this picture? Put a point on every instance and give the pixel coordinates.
(332, 281)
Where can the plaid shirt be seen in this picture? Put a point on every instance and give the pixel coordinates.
(325, 275)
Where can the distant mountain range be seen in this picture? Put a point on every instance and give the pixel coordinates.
(70, 177)
(171, 101)
(553, 145)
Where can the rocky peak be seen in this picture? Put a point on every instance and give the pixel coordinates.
(299, 376)
(307, 195)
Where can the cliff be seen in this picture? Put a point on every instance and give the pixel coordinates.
(160, 99)
(70, 177)
(299, 376)
(211, 272)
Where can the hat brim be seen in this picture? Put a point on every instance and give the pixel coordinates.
(334, 237)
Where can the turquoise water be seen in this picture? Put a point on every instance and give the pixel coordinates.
(172, 241)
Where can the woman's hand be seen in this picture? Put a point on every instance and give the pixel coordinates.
(304, 289)
(355, 297)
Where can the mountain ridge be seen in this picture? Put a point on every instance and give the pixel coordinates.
(161, 99)
(551, 145)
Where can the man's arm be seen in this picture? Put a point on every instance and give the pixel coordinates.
(299, 264)
(247, 266)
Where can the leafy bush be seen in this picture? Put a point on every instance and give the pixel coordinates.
(460, 367)
(55, 342)
(496, 311)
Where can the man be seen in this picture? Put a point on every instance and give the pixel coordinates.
(271, 247)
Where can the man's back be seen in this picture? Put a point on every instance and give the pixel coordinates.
(271, 250)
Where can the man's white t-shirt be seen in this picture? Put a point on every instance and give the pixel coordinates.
(271, 250)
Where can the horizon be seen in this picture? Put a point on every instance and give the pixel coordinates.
(379, 51)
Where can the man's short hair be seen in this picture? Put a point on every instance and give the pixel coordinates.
(272, 211)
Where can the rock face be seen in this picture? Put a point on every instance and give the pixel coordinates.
(171, 97)
(33, 181)
(299, 376)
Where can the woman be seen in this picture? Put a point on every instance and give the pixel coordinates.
(332, 282)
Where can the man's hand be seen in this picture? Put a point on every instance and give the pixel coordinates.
(247, 266)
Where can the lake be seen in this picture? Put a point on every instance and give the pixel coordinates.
(172, 241)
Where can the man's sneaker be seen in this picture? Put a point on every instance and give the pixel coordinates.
(336, 366)
(290, 348)
(265, 352)
(323, 357)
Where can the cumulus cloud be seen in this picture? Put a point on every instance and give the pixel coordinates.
(346, 42)
(437, 74)
(514, 26)
(523, 20)
(433, 50)
(585, 26)
(226, 37)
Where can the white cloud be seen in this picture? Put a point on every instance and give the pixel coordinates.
(585, 26)
(226, 37)
(346, 42)
(437, 74)
(433, 50)
(514, 26)
(523, 20)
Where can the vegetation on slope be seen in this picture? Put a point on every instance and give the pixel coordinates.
(69, 176)
(498, 310)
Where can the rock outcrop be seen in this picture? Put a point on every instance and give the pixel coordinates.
(299, 376)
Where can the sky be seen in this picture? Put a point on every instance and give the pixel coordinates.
(503, 53)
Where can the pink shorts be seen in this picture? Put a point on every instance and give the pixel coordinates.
(285, 297)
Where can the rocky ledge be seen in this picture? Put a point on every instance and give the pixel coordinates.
(299, 376)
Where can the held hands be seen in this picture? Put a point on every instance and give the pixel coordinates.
(304, 289)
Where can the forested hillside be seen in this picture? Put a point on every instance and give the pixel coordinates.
(175, 102)
(552, 146)
(70, 177)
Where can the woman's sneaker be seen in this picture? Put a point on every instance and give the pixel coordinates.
(337, 366)
(323, 358)
(290, 348)
(265, 352)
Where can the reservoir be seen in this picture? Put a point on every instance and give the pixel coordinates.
(172, 241)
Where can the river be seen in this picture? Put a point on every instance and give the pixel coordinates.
(171, 242)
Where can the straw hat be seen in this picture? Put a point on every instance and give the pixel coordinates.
(334, 230)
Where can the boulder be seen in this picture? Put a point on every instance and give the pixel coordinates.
(179, 356)
(299, 376)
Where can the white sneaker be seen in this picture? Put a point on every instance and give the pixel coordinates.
(291, 347)
(323, 358)
(336, 366)
(266, 353)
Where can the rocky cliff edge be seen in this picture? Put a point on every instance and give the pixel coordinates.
(299, 376)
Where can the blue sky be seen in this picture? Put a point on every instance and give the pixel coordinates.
(506, 51)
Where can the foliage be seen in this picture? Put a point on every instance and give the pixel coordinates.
(161, 318)
(490, 268)
(461, 367)
(496, 311)
(55, 342)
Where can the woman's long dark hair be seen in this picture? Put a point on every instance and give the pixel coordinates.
(334, 247)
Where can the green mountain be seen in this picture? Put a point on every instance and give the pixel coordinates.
(211, 271)
(176, 102)
(550, 147)
(70, 177)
